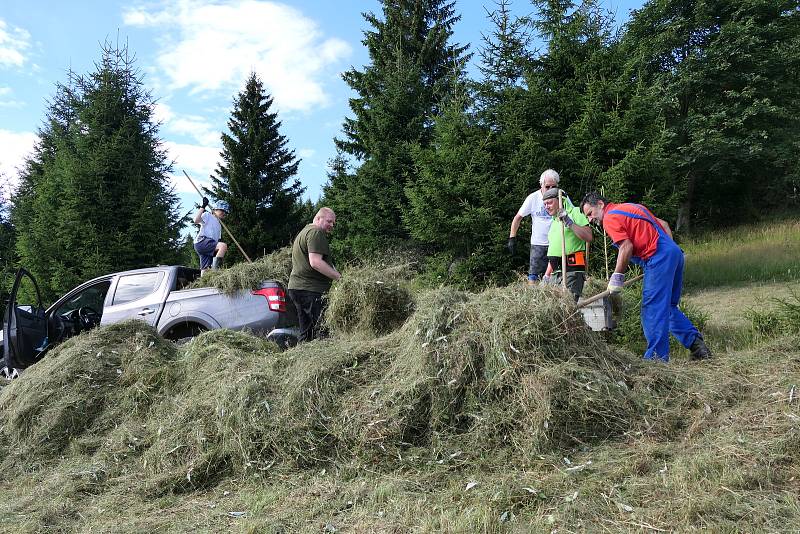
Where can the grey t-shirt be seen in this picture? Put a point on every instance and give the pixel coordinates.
(209, 227)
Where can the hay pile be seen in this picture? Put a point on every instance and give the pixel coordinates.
(506, 367)
(218, 420)
(274, 266)
(369, 300)
(84, 389)
(511, 371)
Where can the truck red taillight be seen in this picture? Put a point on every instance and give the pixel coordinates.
(276, 297)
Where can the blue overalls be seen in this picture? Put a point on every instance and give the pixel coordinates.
(663, 281)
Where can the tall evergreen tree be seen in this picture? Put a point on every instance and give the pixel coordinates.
(95, 197)
(725, 75)
(7, 238)
(482, 162)
(413, 69)
(257, 176)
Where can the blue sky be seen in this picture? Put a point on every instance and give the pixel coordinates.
(195, 56)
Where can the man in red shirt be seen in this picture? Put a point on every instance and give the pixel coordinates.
(645, 240)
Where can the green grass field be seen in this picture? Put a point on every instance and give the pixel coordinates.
(486, 412)
(745, 255)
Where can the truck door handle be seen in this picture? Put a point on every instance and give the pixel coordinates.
(145, 311)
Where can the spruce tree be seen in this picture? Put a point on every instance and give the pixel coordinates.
(724, 76)
(95, 197)
(7, 238)
(257, 176)
(413, 69)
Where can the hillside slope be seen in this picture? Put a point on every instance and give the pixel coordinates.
(495, 412)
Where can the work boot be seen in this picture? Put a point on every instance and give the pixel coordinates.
(699, 349)
(216, 263)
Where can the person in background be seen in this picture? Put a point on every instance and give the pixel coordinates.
(312, 272)
(577, 232)
(540, 219)
(645, 240)
(207, 243)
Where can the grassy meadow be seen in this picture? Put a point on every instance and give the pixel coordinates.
(755, 254)
(428, 410)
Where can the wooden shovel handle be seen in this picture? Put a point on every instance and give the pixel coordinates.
(605, 293)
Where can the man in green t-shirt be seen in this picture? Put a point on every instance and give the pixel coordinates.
(577, 232)
(312, 272)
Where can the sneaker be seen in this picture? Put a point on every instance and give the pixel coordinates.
(699, 350)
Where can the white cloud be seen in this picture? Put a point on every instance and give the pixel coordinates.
(198, 161)
(217, 46)
(14, 147)
(306, 153)
(13, 44)
(6, 102)
(194, 126)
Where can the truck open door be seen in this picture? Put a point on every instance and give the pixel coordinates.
(24, 327)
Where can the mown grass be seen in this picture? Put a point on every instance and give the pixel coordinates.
(489, 412)
(744, 255)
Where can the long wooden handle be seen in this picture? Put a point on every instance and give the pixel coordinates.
(563, 246)
(220, 221)
(605, 293)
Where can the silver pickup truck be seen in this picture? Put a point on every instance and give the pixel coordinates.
(156, 295)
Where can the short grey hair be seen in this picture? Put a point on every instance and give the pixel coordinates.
(549, 173)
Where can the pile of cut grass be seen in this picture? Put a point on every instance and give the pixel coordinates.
(369, 300)
(492, 411)
(511, 366)
(218, 422)
(83, 390)
(275, 266)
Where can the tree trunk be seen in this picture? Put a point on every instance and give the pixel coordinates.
(683, 224)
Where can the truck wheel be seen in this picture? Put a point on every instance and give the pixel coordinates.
(183, 333)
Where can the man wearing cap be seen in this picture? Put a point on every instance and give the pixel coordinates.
(207, 243)
(576, 232)
(644, 239)
(540, 225)
(312, 272)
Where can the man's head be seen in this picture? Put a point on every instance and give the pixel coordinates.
(548, 180)
(593, 205)
(221, 209)
(550, 198)
(325, 219)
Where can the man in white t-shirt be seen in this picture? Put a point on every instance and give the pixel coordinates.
(207, 243)
(534, 206)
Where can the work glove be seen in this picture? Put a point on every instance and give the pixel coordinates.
(615, 283)
(511, 245)
(564, 217)
(204, 205)
(548, 279)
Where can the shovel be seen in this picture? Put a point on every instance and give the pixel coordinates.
(606, 293)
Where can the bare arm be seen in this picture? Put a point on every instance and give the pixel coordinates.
(624, 256)
(549, 269)
(667, 229)
(322, 267)
(199, 217)
(515, 225)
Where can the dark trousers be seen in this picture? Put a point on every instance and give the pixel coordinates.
(538, 262)
(309, 306)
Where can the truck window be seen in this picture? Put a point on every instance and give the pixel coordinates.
(92, 296)
(135, 286)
